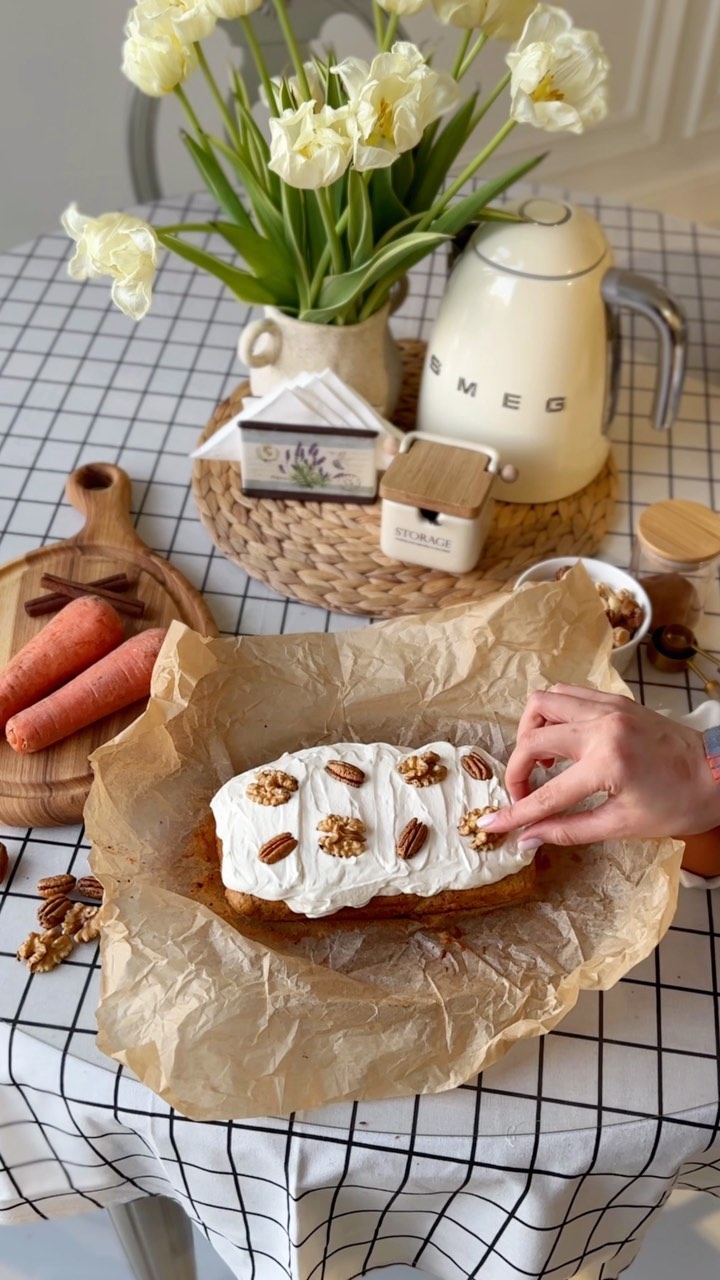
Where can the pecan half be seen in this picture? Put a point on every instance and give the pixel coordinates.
(424, 770)
(342, 837)
(344, 772)
(411, 839)
(53, 911)
(467, 826)
(272, 787)
(89, 887)
(4, 862)
(55, 886)
(476, 767)
(277, 848)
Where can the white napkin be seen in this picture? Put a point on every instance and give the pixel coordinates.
(309, 400)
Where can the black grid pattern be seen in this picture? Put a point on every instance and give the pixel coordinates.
(551, 1164)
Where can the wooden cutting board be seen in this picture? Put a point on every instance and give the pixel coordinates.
(50, 788)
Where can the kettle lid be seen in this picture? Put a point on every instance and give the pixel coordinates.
(555, 242)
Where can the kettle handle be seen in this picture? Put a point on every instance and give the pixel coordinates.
(626, 289)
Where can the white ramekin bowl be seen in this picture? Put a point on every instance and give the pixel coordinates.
(599, 571)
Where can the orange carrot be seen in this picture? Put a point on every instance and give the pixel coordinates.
(117, 680)
(83, 632)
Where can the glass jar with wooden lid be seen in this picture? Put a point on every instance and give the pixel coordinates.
(675, 557)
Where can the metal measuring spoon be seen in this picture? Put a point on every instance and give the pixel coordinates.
(673, 649)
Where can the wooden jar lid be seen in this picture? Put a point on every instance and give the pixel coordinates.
(439, 477)
(680, 531)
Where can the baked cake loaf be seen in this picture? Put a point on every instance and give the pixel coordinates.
(368, 831)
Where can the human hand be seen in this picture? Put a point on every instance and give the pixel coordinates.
(654, 772)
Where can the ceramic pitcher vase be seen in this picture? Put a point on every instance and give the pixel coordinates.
(277, 347)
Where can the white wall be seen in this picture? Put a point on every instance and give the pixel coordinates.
(62, 112)
(63, 107)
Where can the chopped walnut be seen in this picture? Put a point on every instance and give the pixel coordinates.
(77, 917)
(424, 770)
(344, 837)
(272, 787)
(44, 951)
(467, 826)
(90, 930)
(624, 613)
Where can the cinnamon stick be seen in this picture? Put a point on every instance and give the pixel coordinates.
(129, 605)
(52, 602)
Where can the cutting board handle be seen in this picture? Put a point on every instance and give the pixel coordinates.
(103, 493)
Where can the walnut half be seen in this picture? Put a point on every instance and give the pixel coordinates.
(467, 826)
(342, 837)
(271, 787)
(422, 771)
(44, 951)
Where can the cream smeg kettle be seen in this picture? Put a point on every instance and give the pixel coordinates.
(525, 352)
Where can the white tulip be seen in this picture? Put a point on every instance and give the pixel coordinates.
(116, 245)
(500, 19)
(189, 20)
(315, 85)
(310, 148)
(158, 53)
(403, 8)
(200, 16)
(559, 74)
(234, 8)
(392, 101)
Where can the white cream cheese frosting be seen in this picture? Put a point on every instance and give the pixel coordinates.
(314, 883)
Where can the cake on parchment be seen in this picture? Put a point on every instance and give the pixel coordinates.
(367, 831)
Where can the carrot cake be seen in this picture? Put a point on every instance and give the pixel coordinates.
(367, 831)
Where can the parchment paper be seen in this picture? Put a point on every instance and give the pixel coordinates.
(226, 1022)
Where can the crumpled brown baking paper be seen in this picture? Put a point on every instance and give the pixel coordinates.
(226, 1022)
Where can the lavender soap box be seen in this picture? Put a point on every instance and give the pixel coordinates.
(317, 462)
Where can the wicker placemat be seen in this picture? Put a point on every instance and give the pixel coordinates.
(328, 554)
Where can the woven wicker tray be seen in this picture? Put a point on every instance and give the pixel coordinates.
(328, 554)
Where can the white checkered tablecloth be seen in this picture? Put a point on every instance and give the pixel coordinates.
(556, 1159)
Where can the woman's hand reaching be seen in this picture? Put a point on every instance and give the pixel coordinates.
(654, 772)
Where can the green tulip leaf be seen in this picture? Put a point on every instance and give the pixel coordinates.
(245, 286)
(403, 174)
(265, 211)
(340, 291)
(217, 183)
(442, 155)
(293, 206)
(457, 215)
(267, 259)
(387, 208)
(360, 223)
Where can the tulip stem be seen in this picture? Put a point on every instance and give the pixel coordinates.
(293, 48)
(486, 105)
(336, 253)
(233, 134)
(262, 67)
(457, 70)
(379, 25)
(472, 55)
(181, 94)
(465, 176)
(390, 32)
(324, 259)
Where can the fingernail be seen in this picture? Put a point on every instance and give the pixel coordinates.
(528, 846)
(483, 823)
